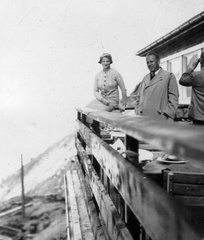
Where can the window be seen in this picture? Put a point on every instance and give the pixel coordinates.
(164, 65)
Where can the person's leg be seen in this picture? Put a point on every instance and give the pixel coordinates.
(95, 104)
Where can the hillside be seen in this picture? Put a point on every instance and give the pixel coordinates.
(44, 189)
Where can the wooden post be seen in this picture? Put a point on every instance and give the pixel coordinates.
(96, 128)
(22, 187)
(79, 118)
(132, 222)
(67, 207)
(132, 144)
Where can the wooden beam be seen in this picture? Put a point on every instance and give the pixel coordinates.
(182, 140)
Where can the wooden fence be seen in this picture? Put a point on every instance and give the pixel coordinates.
(130, 202)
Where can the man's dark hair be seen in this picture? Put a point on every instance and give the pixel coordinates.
(154, 54)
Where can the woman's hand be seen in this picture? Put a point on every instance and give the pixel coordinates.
(122, 106)
(104, 101)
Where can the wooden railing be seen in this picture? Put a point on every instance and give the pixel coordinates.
(128, 200)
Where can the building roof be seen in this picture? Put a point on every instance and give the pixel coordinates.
(186, 35)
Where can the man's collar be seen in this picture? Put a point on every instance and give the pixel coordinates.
(157, 71)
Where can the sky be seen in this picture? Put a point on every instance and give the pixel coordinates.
(49, 52)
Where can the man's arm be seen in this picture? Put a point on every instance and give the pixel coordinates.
(173, 95)
(187, 78)
(135, 91)
(138, 94)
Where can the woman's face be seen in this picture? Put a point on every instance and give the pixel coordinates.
(105, 63)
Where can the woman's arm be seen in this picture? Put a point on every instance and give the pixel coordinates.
(97, 93)
(96, 90)
(122, 87)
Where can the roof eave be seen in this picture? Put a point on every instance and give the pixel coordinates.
(184, 28)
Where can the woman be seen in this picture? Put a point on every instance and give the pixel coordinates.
(106, 86)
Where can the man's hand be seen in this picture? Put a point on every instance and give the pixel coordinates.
(195, 64)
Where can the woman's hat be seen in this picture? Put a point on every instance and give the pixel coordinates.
(107, 55)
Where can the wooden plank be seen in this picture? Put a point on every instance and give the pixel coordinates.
(85, 224)
(115, 226)
(151, 205)
(97, 226)
(184, 141)
(186, 177)
(74, 210)
(67, 208)
(17, 209)
(190, 200)
(149, 147)
(188, 189)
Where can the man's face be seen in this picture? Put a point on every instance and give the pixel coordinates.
(152, 63)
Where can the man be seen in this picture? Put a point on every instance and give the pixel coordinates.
(196, 81)
(158, 93)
